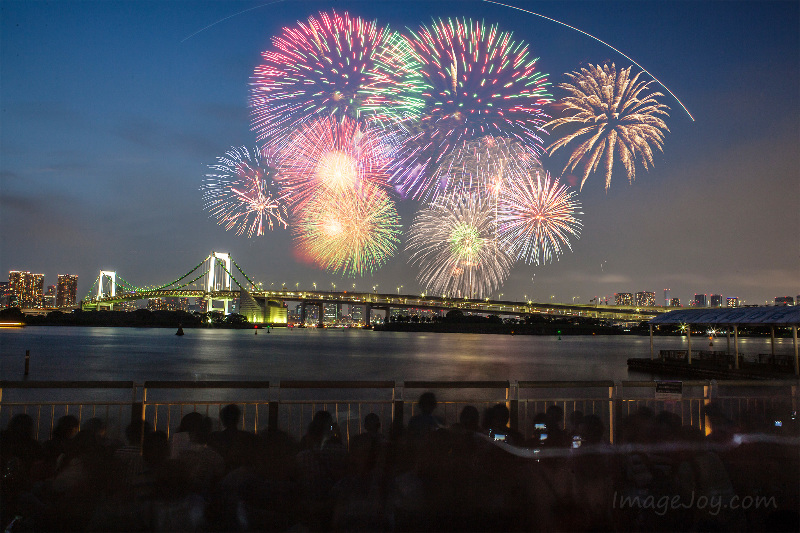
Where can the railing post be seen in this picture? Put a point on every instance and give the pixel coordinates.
(273, 405)
(614, 394)
(397, 411)
(143, 411)
(512, 397)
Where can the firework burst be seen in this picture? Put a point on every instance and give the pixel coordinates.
(463, 80)
(454, 244)
(537, 217)
(330, 154)
(614, 112)
(241, 192)
(322, 67)
(487, 166)
(349, 231)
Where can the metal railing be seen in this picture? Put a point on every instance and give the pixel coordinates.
(290, 405)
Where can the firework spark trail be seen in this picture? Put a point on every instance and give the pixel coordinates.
(613, 113)
(332, 154)
(322, 67)
(462, 80)
(241, 192)
(538, 217)
(346, 231)
(623, 54)
(453, 243)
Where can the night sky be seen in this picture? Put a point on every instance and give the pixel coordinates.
(110, 113)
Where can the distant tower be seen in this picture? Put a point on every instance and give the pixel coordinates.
(27, 288)
(666, 297)
(715, 301)
(66, 290)
(699, 300)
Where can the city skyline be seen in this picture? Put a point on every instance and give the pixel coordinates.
(111, 114)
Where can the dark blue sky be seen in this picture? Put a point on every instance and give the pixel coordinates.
(109, 117)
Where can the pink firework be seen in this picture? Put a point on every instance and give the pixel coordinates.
(334, 155)
(537, 216)
(319, 68)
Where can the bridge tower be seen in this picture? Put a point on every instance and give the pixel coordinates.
(101, 292)
(218, 278)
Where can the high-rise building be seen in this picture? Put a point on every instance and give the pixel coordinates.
(623, 298)
(50, 296)
(357, 313)
(666, 296)
(27, 289)
(784, 300)
(699, 300)
(66, 290)
(5, 294)
(675, 302)
(732, 301)
(645, 299)
(330, 314)
(715, 301)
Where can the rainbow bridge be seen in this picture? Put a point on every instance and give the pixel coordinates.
(218, 280)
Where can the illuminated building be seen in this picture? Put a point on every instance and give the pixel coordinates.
(357, 313)
(157, 304)
(177, 304)
(331, 313)
(27, 289)
(66, 290)
(675, 302)
(733, 301)
(784, 300)
(126, 306)
(5, 294)
(623, 298)
(699, 300)
(715, 301)
(50, 296)
(645, 299)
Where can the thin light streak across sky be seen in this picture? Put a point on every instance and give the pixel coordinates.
(626, 56)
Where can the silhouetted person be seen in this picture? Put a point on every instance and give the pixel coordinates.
(496, 422)
(225, 442)
(556, 436)
(424, 422)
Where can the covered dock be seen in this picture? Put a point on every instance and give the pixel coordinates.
(731, 319)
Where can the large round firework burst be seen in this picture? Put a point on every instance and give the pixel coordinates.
(349, 231)
(322, 67)
(331, 154)
(613, 112)
(453, 242)
(537, 217)
(463, 80)
(241, 194)
(487, 165)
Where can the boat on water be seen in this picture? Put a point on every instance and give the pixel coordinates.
(179, 333)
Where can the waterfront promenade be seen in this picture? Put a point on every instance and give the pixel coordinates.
(617, 456)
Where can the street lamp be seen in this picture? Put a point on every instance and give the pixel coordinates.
(573, 299)
(398, 290)
(315, 286)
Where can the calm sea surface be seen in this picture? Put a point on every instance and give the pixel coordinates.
(139, 354)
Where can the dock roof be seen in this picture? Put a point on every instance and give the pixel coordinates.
(750, 316)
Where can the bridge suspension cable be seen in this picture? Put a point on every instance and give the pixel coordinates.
(253, 283)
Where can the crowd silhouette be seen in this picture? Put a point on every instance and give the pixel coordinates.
(478, 474)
